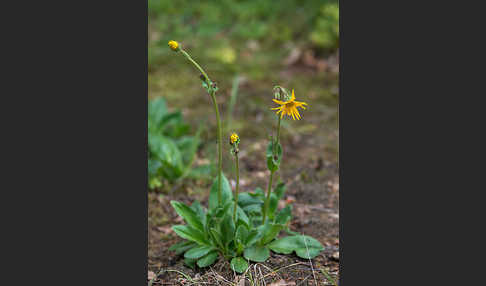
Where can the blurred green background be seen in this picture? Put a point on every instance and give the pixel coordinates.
(246, 47)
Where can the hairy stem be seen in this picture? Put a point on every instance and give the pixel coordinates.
(267, 200)
(220, 147)
(218, 120)
(269, 189)
(237, 186)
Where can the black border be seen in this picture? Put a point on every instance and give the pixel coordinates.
(76, 163)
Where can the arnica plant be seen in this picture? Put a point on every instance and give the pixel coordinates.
(242, 227)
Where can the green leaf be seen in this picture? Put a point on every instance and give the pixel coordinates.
(217, 237)
(304, 246)
(273, 160)
(220, 212)
(190, 262)
(307, 252)
(239, 264)
(208, 259)
(255, 209)
(188, 214)
(284, 215)
(241, 216)
(201, 171)
(285, 245)
(242, 233)
(226, 194)
(272, 206)
(199, 210)
(279, 190)
(188, 147)
(198, 251)
(257, 253)
(165, 150)
(227, 229)
(259, 193)
(157, 109)
(270, 231)
(190, 233)
(181, 247)
(245, 199)
(253, 237)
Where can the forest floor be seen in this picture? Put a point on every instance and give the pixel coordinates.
(309, 168)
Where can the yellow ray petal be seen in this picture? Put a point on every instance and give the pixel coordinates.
(278, 101)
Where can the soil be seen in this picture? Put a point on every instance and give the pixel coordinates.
(309, 169)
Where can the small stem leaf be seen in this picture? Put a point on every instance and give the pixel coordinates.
(272, 206)
(273, 160)
(284, 215)
(279, 190)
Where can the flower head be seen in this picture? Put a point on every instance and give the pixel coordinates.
(234, 138)
(289, 107)
(174, 45)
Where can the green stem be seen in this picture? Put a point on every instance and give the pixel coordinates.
(278, 134)
(196, 65)
(220, 147)
(267, 200)
(218, 119)
(237, 186)
(269, 189)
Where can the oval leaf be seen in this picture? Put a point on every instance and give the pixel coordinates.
(257, 253)
(307, 253)
(198, 251)
(188, 215)
(226, 194)
(304, 246)
(270, 231)
(190, 233)
(208, 259)
(239, 264)
(182, 247)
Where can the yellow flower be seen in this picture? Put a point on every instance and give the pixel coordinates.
(173, 45)
(233, 138)
(289, 107)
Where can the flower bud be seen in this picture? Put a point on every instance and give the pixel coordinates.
(234, 138)
(174, 45)
(280, 93)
